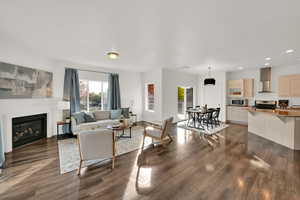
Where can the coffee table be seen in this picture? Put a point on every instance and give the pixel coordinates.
(121, 128)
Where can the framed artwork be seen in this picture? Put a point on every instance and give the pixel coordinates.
(23, 82)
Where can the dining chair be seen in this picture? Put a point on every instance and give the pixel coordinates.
(215, 116)
(208, 118)
(161, 134)
(190, 116)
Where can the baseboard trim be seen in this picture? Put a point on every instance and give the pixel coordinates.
(237, 122)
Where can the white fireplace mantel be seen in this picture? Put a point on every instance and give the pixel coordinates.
(11, 108)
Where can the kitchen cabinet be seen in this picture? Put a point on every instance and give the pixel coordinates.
(295, 86)
(289, 86)
(284, 86)
(240, 88)
(248, 87)
(237, 114)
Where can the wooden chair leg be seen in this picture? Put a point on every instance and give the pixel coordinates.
(113, 162)
(143, 143)
(171, 139)
(79, 170)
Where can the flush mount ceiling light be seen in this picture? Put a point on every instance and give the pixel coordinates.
(268, 58)
(209, 81)
(267, 64)
(113, 55)
(289, 51)
(240, 68)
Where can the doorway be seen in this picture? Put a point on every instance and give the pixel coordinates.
(185, 99)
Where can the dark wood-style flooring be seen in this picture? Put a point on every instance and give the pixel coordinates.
(242, 166)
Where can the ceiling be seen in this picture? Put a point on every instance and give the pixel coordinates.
(188, 35)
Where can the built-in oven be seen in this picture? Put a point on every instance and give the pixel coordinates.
(259, 104)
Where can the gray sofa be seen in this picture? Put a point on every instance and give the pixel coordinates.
(101, 120)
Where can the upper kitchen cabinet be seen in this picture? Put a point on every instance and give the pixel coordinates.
(284, 86)
(289, 86)
(248, 87)
(240, 88)
(295, 85)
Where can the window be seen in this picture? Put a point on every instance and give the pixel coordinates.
(93, 95)
(149, 97)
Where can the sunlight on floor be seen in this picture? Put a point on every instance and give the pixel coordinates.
(183, 135)
(138, 174)
(260, 163)
(144, 177)
(6, 185)
(181, 116)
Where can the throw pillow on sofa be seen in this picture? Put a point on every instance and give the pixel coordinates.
(89, 117)
(101, 115)
(116, 114)
(79, 117)
(125, 112)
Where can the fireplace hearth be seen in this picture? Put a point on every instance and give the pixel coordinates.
(28, 129)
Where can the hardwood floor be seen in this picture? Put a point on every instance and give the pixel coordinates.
(242, 166)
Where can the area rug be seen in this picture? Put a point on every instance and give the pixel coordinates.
(69, 152)
(207, 131)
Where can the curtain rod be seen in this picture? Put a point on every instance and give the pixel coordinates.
(94, 71)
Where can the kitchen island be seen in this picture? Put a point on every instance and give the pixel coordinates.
(280, 126)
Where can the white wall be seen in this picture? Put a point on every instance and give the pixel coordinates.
(154, 76)
(255, 74)
(214, 96)
(171, 79)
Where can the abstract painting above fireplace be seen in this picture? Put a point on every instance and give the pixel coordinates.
(23, 82)
(28, 129)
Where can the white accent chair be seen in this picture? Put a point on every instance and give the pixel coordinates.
(96, 144)
(162, 134)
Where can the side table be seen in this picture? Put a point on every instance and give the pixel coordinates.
(134, 117)
(58, 124)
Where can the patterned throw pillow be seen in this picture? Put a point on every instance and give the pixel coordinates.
(116, 114)
(89, 117)
(79, 117)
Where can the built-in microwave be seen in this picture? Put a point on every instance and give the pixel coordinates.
(241, 102)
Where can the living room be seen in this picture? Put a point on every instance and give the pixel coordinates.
(144, 100)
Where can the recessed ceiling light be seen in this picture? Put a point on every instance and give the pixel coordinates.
(185, 67)
(113, 55)
(267, 64)
(289, 51)
(268, 58)
(240, 68)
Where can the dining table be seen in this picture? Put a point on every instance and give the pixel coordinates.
(197, 115)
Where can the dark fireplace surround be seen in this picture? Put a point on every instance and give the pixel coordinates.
(28, 129)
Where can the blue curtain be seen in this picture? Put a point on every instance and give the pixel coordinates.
(2, 156)
(114, 97)
(71, 89)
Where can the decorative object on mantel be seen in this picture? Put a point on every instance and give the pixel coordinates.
(22, 82)
(209, 80)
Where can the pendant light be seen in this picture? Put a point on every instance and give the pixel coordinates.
(209, 80)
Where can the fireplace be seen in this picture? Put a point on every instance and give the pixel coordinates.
(28, 129)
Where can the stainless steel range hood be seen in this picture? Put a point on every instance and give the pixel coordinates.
(265, 79)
